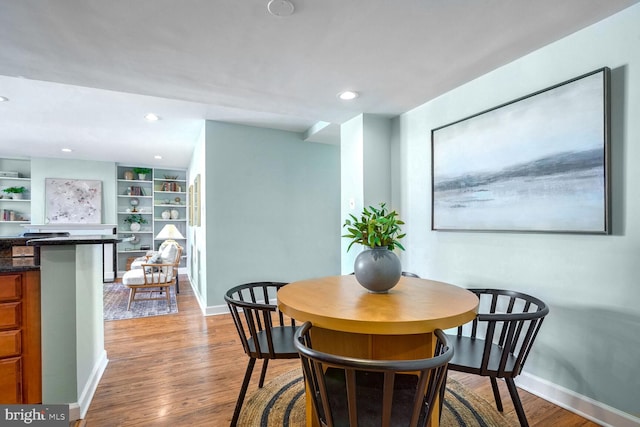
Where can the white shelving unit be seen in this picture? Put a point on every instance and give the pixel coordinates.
(14, 212)
(170, 204)
(162, 190)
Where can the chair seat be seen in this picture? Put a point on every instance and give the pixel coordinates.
(369, 397)
(136, 278)
(468, 354)
(282, 343)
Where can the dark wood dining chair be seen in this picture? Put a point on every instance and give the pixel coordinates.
(264, 331)
(497, 342)
(409, 274)
(362, 392)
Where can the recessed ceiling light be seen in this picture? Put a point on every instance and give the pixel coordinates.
(66, 150)
(280, 7)
(152, 117)
(157, 157)
(3, 99)
(348, 95)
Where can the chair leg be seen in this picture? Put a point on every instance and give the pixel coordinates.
(441, 392)
(177, 285)
(169, 298)
(243, 391)
(496, 393)
(132, 293)
(517, 404)
(263, 374)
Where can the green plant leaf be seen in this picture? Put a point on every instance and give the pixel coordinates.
(377, 226)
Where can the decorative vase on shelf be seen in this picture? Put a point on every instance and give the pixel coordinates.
(377, 269)
(175, 214)
(128, 175)
(134, 226)
(166, 214)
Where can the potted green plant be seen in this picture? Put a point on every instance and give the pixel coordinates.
(142, 172)
(135, 221)
(377, 268)
(15, 192)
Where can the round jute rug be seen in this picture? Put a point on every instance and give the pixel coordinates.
(281, 403)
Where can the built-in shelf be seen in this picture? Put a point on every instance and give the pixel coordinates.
(163, 191)
(14, 212)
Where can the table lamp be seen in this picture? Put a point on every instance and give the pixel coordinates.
(169, 233)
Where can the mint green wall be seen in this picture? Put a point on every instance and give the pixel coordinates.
(351, 182)
(589, 343)
(365, 166)
(89, 314)
(272, 207)
(42, 168)
(59, 339)
(196, 253)
(377, 163)
(73, 353)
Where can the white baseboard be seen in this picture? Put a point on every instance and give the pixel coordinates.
(78, 410)
(214, 310)
(584, 406)
(208, 310)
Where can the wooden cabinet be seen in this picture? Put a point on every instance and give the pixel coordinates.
(20, 346)
(10, 380)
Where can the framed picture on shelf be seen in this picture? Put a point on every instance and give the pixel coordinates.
(539, 163)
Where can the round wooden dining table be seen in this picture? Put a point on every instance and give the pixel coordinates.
(350, 321)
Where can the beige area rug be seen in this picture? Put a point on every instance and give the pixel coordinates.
(116, 297)
(281, 403)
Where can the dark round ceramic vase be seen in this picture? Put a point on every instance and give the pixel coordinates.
(377, 269)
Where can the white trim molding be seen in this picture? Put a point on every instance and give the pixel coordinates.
(584, 406)
(89, 389)
(214, 310)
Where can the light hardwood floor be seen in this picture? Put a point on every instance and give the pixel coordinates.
(186, 369)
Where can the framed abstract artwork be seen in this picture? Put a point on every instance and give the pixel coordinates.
(74, 201)
(536, 164)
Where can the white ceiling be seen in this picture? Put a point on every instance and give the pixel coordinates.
(82, 73)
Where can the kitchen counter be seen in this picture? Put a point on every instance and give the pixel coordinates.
(73, 352)
(9, 264)
(74, 240)
(14, 265)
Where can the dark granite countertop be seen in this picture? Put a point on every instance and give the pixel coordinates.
(13, 265)
(9, 264)
(12, 241)
(74, 240)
